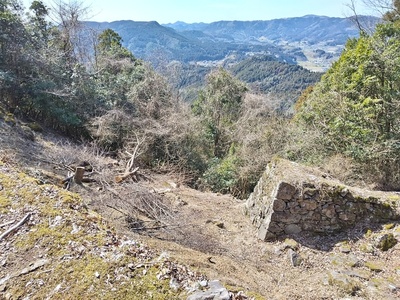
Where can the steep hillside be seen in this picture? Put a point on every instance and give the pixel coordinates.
(53, 245)
(64, 240)
(89, 242)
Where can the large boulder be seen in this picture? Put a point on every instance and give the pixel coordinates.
(291, 198)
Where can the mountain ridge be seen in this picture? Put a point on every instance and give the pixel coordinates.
(297, 40)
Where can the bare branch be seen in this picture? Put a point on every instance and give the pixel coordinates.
(7, 223)
(16, 227)
(355, 17)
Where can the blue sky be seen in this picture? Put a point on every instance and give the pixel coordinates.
(191, 11)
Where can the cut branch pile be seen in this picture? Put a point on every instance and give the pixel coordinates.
(130, 171)
(142, 209)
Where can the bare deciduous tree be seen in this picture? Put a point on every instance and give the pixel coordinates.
(68, 16)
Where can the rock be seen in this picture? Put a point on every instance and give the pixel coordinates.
(393, 288)
(8, 296)
(396, 233)
(75, 229)
(178, 202)
(294, 258)
(383, 285)
(291, 243)
(344, 247)
(56, 221)
(174, 284)
(215, 292)
(366, 248)
(385, 242)
(203, 283)
(292, 229)
(310, 205)
(220, 225)
(348, 216)
(344, 282)
(174, 185)
(344, 192)
(285, 191)
(345, 260)
(388, 226)
(362, 274)
(374, 266)
(217, 223)
(279, 205)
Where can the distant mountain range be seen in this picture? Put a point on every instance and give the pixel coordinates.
(311, 41)
(279, 57)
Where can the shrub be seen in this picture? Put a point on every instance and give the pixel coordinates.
(221, 174)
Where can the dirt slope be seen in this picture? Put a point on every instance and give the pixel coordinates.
(209, 233)
(219, 240)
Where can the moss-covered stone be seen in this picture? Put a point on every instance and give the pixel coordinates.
(291, 243)
(366, 248)
(348, 284)
(9, 118)
(388, 226)
(35, 127)
(368, 233)
(344, 247)
(343, 260)
(374, 266)
(386, 241)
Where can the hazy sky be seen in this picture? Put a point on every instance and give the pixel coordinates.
(190, 11)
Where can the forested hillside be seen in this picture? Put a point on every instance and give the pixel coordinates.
(281, 80)
(95, 90)
(353, 112)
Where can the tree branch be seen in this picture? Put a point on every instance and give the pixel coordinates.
(16, 227)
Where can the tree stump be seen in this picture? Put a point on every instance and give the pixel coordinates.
(79, 175)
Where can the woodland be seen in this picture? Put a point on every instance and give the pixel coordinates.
(60, 75)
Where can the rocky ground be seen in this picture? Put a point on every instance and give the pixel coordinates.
(205, 235)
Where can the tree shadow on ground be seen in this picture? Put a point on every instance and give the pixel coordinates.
(328, 240)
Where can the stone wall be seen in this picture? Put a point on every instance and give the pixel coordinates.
(290, 198)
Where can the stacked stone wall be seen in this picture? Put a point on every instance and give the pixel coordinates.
(290, 199)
